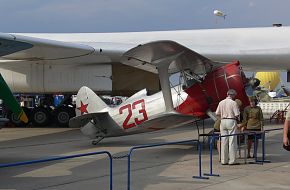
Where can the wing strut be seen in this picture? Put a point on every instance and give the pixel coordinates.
(165, 87)
(162, 67)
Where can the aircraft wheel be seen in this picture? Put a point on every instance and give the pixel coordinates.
(40, 116)
(63, 115)
(95, 142)
(15, 120)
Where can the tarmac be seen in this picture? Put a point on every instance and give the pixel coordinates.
(169, 167)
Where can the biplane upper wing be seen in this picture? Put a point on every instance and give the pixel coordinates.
(149, 56)
(164, 58)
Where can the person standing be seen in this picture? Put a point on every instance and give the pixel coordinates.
(229, 112)
(286, 144)
(252, 121)
(218, 123)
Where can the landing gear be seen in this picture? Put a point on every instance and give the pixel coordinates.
(15, 120)
(95, 142)
(41, 116)
(63, 115)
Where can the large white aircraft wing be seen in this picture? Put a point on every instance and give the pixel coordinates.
(162, 57)
(145, 57)
(19, 47)
(29, 55)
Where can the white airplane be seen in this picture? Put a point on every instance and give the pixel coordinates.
(62, 63)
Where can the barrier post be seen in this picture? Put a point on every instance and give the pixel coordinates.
(129, 170)
(199, 163)
(255, 154)
(64, 158)
(263, 147)
(255, 148)
(212, 138)
(160, 144)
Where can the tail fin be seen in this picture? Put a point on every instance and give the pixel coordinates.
(88, 102)
(9, 100)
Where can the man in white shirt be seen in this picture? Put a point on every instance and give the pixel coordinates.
(229, 112)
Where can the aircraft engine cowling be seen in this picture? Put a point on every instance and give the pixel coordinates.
(206, 95)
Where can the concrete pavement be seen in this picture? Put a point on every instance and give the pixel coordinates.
(169, 167)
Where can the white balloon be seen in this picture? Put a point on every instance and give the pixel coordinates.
(219, 13)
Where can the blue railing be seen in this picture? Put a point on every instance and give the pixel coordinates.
(64, 158)
(131, 150)
(163, 144)
(255, 133)
(214, 136)
(263, 145)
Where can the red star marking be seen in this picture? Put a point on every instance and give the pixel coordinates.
(83, 108)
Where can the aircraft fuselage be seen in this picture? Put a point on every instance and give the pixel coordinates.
(142, 113)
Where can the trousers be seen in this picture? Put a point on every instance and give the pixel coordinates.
(228, 144)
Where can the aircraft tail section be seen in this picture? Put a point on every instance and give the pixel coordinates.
(88, 102)
(92, 115)
(9, 100)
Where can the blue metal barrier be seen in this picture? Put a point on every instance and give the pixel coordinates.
(263, 145)
(212, 138)
(162, 144)
(64, 158)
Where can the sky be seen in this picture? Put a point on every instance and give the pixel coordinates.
(137, 15)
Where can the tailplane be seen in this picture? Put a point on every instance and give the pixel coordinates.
(92, 116)
(88, 102)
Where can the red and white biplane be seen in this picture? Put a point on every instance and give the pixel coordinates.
(205, 84)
